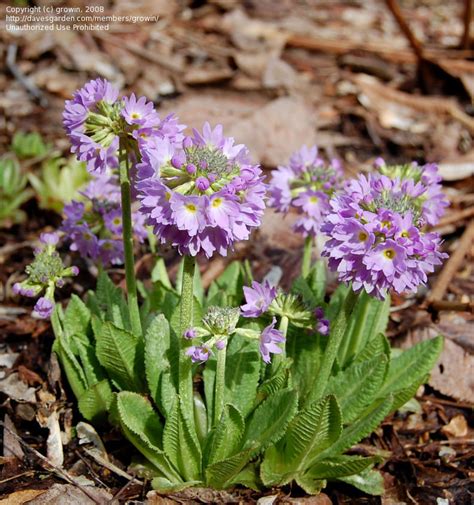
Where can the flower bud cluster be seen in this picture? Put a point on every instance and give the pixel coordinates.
(46, 273)
(306, 184)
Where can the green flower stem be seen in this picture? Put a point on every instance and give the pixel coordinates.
(332, 347)
(220, 385)
(128, 240)
(357, 334)
(185, 322)
(307, 255)
(277, 359)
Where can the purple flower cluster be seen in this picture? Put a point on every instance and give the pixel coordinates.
(305, 184)
(423, 182)
(96, 118)
(94, 225)
(45, 274)
(376, 237)
(200, 194)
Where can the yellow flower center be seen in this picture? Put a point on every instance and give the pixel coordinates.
(190, 207)
(404, 234)
(389, 253)
(313, 199)
(217, 202)
(136, 115)
(363, 236)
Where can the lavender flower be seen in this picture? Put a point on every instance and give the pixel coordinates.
(200, 194)
(190, 333)
(322, 324)
(423, 182)
(306, 184)
(376, 237)
(198, 354)
(269, 340)
(96, 118)
(94, 226)
(258, 298)
(43, 308)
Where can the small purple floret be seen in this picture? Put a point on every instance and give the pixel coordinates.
(258, 298)
(269, 340)
(43, 308)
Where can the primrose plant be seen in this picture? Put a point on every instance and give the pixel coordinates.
(241, 384)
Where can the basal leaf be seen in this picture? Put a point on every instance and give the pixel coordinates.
(311, 486)
(118, 351)
(157, 351)
(242, 373)
(362, 427)
(91, 367)
(312, 431)
(74, 373)
(77, 318)
(411, 366)
(181, 445)
(110, 302)
(369, 481)
(219, 475)
(163, 485)
(377, 345)
(342, 466)
(357, 386)
(225, 439)
(142, 426)
(267, 424)
(95, 402)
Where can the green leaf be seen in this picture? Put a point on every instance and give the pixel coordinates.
(95, 402)
(219, 475)
(309, 485)
(71, 367)
(248, 477)
(343, 466)
(362, 427)
(369, 481)
(143, 428)
(357, 386)
(226, 437)
(110, 301)
(242, 373)
(118, 351)
(181, 444)
(268, 423)
(157, 361)
(377, 345)
(312, 431)
(227, 288)
(411, 366)
(159, 273)
(91, 367)
(163, 485)
(77, 318)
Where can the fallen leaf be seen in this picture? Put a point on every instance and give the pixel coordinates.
(61, 494)
(457, 427)
(21, 497)
(16, 389)
(11, 445)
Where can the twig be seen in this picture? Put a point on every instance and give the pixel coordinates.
(62, 473)
(439, 305)
(397, 14)
(29, 472)
(22, 79)
(452, 265)
(455, 217)
(467, 24)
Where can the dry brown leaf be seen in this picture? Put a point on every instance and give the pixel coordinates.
(273, 132)
(16, 389)
(11, 445)
(457, 427)
(21, 497)
(61, 494)
(276, 230)
(453, 375)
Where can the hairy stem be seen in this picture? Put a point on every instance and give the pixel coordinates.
(128, 240)
(185, 322)
(220, 385)
(307, 254)
(332, 347)
(278, 358)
